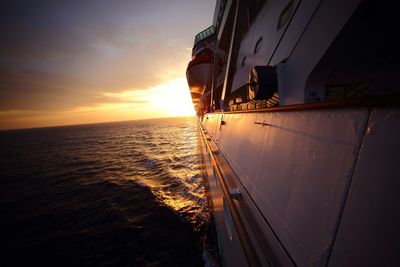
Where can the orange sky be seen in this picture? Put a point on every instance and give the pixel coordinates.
(67, 62)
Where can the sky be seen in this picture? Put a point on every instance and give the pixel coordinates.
(75, 62)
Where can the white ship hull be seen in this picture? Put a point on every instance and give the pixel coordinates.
(303, 171)
(314, 185)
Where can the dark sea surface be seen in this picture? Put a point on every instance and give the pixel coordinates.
(115, 194)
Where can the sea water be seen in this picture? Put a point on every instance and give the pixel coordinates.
(113, 194)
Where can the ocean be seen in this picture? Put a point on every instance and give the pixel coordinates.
(111, 194)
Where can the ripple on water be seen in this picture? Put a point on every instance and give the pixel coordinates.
(125, 193)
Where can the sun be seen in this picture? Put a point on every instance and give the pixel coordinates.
(171, 98)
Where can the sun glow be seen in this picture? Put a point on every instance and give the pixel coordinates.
(169, 99)
(172, 98)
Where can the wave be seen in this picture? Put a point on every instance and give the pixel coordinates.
(106, 193)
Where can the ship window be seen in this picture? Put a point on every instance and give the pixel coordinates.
(204, 34)
(257, 47)
(243, 61)
(285, 15)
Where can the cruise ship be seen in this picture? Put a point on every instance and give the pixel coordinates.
(298, 110)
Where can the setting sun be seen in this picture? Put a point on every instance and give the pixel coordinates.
(169, 99)
(172, 98)
(102, 63)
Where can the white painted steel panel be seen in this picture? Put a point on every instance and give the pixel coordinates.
(212, 123)
(229, 243)
(224, 18)
(265, 26)
(297, 170)
(299, 21)
(264, 240)
(369, 232)
(315, 40)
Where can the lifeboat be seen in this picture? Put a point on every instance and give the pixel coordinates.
(200, 69)
(199, 72)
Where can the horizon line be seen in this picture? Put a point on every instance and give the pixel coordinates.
(91, 123)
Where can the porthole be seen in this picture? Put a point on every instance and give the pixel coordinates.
(257, 47)
(243, 61)
(285, 15)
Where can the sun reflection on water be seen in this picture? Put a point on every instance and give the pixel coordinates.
(172, 169)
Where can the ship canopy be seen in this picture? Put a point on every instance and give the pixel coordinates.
(202, 38)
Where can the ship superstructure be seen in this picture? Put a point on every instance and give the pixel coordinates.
(298, 105)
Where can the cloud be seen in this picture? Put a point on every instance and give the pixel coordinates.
(57, 56)
(41, 91)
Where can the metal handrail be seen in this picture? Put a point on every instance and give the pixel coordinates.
(393, 100)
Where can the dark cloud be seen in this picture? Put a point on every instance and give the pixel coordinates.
(70, 36)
